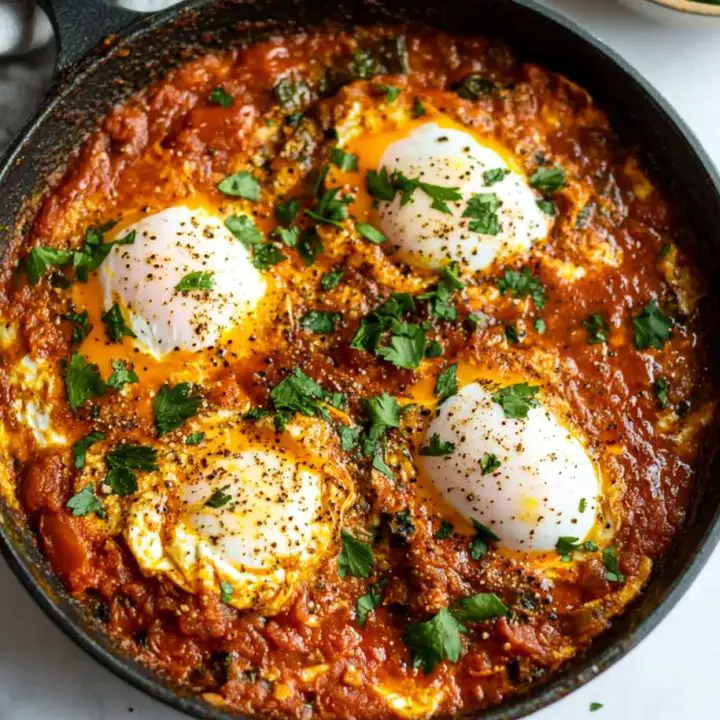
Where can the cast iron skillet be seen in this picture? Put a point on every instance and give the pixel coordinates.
(95, 72)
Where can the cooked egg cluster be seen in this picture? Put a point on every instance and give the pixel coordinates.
(527, 477)
(246, 514)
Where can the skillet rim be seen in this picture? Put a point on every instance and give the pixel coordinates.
(562, 682)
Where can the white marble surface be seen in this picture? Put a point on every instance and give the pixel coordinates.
(672, 675)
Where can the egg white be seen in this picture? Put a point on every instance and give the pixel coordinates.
(546, 486)
(142, 277)
(429, 237)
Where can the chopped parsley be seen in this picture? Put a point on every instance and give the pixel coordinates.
(382, 413)
(298, 393)
(597, 329)
(446, 384)
(383, 186)
(445, 530)
(516, 400)
(330, 209)
(319, 321)
(483, 536)
(226, 592)
(85, 502)
(218, 499)
(40, 259)
(370, 233)
(661, 387)
(547, 206)
(310, 246)
(115, 326)
(595, 706)
(81, 325)
(122, 374)
(219, 96)
(523, 284)
(82, 381)
(477, 608)
(244, 229)
(435, 640)
(418, 108)
(122, 463)
(612, 566)
(240, 184)
(80, 448)
(286, 211)
(490, 177)
(195, 438)
(292, 94)
(391, 93)
(540, 326)
(288, 236)
(474, 86)
(356, 556)
(434, 349)
(548, 179)
(489, 463)
(582, 505)
(566, 546)
(331, 279)
(173, 405)
(197, 280)
(379, 464)
(440, 298)
(367, 603)
(482, 209)
(406, 346)
(343, 159)
(348, 435)
(267, 254)
(652, 328)
(437, 447)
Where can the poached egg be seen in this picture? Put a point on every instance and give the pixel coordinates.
(529, 479)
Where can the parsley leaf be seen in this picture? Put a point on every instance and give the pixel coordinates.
(348, 436)
(445, 530)
(446, 383)
(318, 321)
(490, 177)
(406, 348)
(383, 413)
(195, 438)
(418, 108)
(331, 209)
(115, 326)
(370, 233)
(523, 284)
(331, 279)
(41, 259)
(356, 556)
(226, 592)
(80, 448)
(122, 374)
(612, 566)
(477, 608)
(86, 501)
(310, 247)
(439, 299)
(288, 236)
(173, 405)
(121, 481)
(436, 640)
(661, 387)
(244, 229)
(566, 546)
(437, 447)
(219, 96)
(267, 254)
(652, 328)
(81, 325)
(218, 499)
(286, 212)
(82, 381)
(489, 463)
(474, 86)
(379, 185)
(133, 457)
(597, 329)
(548, 179)
(197, 280)
(595, 706)
(367, 603)
(434, 349)
(483, 536)
(516, 400)
(547, 206)
(482, 208)
(344, 160)
(378, 463)
(91, 255)
(539, 325)
(240, 184)
(391, 93)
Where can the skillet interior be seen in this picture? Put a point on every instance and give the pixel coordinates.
(159, 42)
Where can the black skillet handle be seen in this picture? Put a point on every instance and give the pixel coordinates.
(81, 25)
